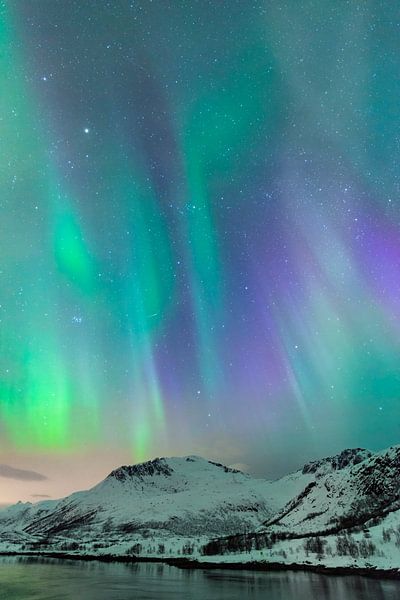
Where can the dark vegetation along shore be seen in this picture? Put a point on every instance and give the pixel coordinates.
(186, 563)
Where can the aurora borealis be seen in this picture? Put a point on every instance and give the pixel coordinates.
(200, 233)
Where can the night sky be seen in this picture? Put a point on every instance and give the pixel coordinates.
(199, 234)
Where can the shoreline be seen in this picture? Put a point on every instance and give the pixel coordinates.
(187, 563)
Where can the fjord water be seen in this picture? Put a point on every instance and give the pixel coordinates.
(24, 578)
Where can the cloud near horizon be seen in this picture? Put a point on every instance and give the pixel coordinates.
(20, 474)
(40, 496)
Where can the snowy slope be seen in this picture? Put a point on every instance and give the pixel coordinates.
(375, 546)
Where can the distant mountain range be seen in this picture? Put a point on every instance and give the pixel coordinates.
(341, 511)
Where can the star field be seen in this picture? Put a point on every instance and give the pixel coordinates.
(200, 229)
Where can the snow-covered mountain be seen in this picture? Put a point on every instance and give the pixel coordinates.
(347, 490)
(164, 498)
(335, 510)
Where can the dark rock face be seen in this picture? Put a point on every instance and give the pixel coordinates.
(226, 469)
(158, 466)
(375, 487)
(379, 479)
(349, 457)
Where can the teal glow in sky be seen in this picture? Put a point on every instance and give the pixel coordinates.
(199, 233)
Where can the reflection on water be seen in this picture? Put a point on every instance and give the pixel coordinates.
(50, 579)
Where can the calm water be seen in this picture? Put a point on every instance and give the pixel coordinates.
(49, 579)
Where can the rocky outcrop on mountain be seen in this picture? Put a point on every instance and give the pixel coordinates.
(158, 466)
(347, 458)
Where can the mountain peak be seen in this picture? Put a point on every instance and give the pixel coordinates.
(157, 466)
(347, 458)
